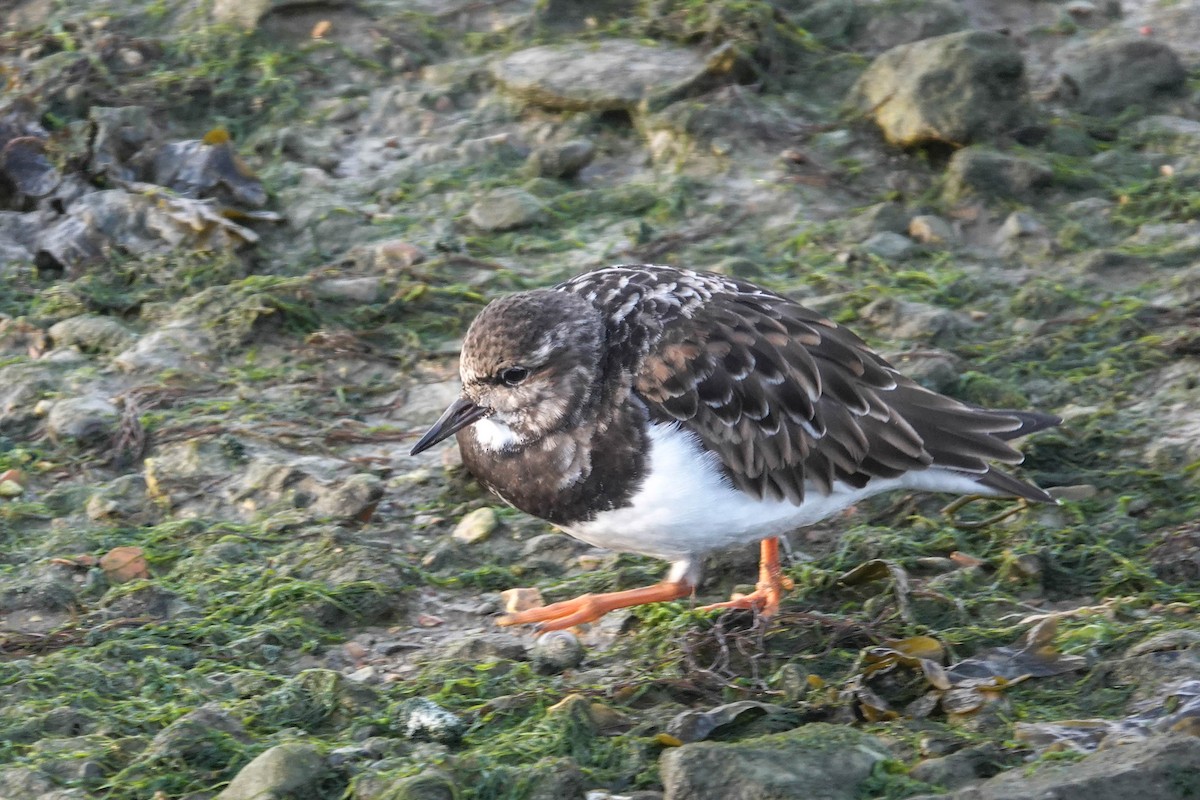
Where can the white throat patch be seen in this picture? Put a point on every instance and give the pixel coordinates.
(491, 434)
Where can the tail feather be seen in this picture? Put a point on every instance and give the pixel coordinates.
(1031, 421)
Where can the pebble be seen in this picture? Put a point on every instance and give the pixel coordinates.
(476, 526)
(557, 651)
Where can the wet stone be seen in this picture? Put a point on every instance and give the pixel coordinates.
(424, 720)
(1105, 78)
(560, 160)
(867, 27)
(506, 209)
(557, 651)
(277, 772)
(354, 498)
(597, 76)
(486, 647)
(932, 229)
(191, 738)
(476, 526)
(879, 218)
(92, 334)
(816, 760)
(890, 246)
(960, 768)
(954, 89)
(1165, 767)
(990, 174)
(83, 420)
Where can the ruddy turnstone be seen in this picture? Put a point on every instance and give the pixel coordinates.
(672, 413)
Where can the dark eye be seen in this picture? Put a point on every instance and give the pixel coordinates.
(513, 375)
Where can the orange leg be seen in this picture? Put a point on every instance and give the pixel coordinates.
(772, 583)
(591, 607)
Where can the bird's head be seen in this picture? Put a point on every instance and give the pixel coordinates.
(528, 366)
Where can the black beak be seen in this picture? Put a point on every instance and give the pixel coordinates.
(461, 413)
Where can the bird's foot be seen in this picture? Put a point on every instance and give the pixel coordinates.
(765, 598)
(591, 607)
(772, 584)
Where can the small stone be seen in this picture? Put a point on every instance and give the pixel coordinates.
(83, 420)
(428, 785)
(367, 674)
(398, 254)
(358, 290)
(277, 772)
(975, 171)
(91, 334)
(424, 720)
(1017, 225)
(521, 599)
(10, 488)
(486, 647)
(476, 526)
(557, 651)
(1076, 494)
(890, 246)
(506, 209)
(879, 218)
(931, 229)
(354, 499)
(562, 160)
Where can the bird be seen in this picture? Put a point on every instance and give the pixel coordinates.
(674, 413)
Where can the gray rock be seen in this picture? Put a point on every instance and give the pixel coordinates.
(427, 785)
(422, 719)
(907, 319)
(557, 651)
(506, 209)
(193, 738)
(816, 762)
(248, 13)
(83, 420)
(560, 160)
(123, 498)
(598, 76)
(476, 526)
(356, 290)
(355, 498)
(879, 218)
(276, 773)
(975, 171)
(1106, 78)
(870, 27)
(21, 387)
(91, 334)
(1167, 131)
(932, 368)
(184, 346)
(890, 246)
(955, 89)
(1165, 767)
(486, 647)
(960, 768)
(932, 229)
(23, 783)
(556, 779)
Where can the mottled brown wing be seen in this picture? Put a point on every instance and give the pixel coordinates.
(788, 399)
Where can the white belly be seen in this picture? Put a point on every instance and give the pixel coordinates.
(686, 508)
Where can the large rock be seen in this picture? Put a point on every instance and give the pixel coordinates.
(1163, 768)
(1108, 77)
(815, 762)
(976, 171)
(280, 772)
(955, 89)
(871, 27)
(616, 74)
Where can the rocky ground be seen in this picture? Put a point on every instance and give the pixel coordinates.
(240, 243)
